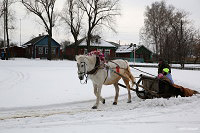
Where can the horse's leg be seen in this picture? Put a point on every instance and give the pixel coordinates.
(128, 88)
(95, 93)
(98, 94)
(116, 93)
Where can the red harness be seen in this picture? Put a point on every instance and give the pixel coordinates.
(117, 69)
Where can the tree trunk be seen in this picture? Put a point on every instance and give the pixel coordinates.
(88, 42)
(49, 57)
(76, 48)
(7, 34)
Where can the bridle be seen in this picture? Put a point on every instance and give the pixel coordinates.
(84, 73)
(84, 64)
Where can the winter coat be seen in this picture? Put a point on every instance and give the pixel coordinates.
(169, 76)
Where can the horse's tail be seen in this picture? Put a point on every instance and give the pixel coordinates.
(129, 74)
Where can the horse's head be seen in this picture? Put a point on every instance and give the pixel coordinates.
(84, 63)
(81, 65)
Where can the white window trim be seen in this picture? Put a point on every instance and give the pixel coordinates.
(46, 50)
(107, 51)
(53, 50)
(85, 51)
(40, 50)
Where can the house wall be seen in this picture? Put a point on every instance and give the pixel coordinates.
(124, 55)
(39, 48)
(142, 54)
(17, 52)
(42, 52)
(31, 52)
(70, 52)
(28, 52)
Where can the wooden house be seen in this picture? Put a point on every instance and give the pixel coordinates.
(97, 43)
(15, 51)
(38, 47)
(142, 54)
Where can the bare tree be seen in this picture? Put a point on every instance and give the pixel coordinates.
(100, 13)
(169, 31)
(1, 8)
(156, 24)
(196, 48)
(8, 17)
(44, 9)
(72, 15)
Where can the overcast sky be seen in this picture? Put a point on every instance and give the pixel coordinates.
(128, 24)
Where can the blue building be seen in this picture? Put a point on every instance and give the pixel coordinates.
(142, 53)
(38, 47)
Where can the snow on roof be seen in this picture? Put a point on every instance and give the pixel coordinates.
(102, 43)
(126, 48)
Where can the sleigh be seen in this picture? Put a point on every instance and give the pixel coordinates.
(148, 87)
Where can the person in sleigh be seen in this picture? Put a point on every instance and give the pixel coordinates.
(167, 88)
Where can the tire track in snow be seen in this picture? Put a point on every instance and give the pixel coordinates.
(80, 107)
(14, 78)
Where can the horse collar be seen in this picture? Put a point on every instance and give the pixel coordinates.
(96, 67)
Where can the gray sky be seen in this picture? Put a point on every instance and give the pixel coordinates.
(128, 24)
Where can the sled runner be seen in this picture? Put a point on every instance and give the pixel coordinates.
(147, 87)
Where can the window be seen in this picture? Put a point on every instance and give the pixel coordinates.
(46, 50)
(53, 51)
(40, 50)
(101, 50)
(85, 51)
(107, 52)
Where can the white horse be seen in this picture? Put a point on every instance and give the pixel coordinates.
(101, 75)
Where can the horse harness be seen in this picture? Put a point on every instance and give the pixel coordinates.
(96, 67)
(100, 66)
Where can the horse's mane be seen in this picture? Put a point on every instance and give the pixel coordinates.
(90, 58)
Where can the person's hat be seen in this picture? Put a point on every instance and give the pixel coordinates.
(166, 70)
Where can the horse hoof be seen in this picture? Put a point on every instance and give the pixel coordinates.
(114, 103)
(104, 101)
(94, 107)
(129, 102)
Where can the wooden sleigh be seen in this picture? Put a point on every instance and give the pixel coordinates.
(148, 87)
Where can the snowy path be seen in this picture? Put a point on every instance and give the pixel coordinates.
(153, 113)
(41, 96)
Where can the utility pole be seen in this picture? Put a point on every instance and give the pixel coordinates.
(133, 52)
(134, 45)
(4, 26)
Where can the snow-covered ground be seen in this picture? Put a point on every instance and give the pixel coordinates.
(40, 96)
